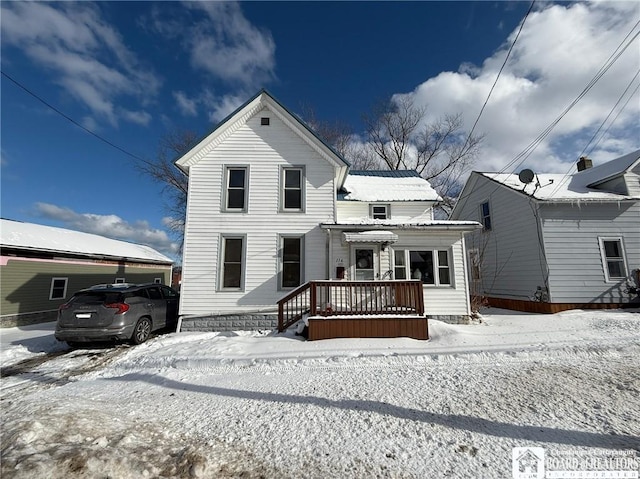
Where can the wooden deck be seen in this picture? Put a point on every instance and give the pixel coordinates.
(357, 309)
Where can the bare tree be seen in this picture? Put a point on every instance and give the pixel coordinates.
(174, 182)
(402, 138)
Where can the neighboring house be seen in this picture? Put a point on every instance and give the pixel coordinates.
(553, 242)
(41, 267)
(272, 207)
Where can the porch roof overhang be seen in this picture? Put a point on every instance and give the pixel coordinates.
(374, 236)
(436, 225)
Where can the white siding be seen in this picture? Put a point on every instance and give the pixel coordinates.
(446, 300)
(265, 149)
(512, 260)
(571, 240)
(402, 211)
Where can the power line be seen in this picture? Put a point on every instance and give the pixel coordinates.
(499, 73)
(17, 83)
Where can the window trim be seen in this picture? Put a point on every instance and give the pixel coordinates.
(64, 291)
(483, 218)
(281, 238)
(243, 261)
(387, 210)
(436, 265)
(303, 177)
(225, 189)
(605, 259)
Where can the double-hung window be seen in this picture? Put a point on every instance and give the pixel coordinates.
(485, 216)
(613, 260)
(232, 262)
(432, 267)
(292, 195)
(58, 288)
(236, 188)
(380, 212)
(292, 261)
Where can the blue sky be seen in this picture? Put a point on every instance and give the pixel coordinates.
(133, 71)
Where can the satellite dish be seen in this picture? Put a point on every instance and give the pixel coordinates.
(526, 176)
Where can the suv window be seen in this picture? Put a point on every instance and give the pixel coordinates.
(90, 297)
(138, 293)
(168, 292)
(154, 293)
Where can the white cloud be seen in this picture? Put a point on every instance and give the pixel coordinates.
(110, 226)
(86, 55)
(186, 105)
(560, 50)
(229, 47)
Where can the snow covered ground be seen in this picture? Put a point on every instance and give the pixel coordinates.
(263, 405)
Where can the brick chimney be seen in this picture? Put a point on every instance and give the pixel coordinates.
(584, 163)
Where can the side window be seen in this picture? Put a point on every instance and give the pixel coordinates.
(58, 288)
(399, 265)
(154, 293)
(236, 189)
(613, 259)
(140, 293)
(232, 261)
(168, 292)
(485, 216)
(292, 194)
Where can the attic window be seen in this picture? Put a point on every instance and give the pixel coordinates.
(380, 212)
(264, 121)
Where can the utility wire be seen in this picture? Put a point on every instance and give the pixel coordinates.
(523, 155)
(499, 73)
(17, 83)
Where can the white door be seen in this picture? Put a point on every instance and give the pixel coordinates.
(364, 262)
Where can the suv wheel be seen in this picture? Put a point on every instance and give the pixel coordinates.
(142, 331)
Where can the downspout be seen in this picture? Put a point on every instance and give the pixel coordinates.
(465, 275)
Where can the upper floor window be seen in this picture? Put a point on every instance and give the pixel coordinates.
(613, 259)
(233, 262)
(380, 212)
(485, 216)
(292, 189)
(236, 189)
(58, 288)
(430, 266)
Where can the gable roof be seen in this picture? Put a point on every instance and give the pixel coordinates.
(579, 186)
(33, 237)
(387, 185)
(240, 116)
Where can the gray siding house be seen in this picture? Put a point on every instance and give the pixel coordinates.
(552, 242)
(271, 207)
(42, 266)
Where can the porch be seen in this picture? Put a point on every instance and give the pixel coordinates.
(357, 309)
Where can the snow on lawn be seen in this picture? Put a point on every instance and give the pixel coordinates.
(265, 405)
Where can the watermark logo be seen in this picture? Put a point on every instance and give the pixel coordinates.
(528, 463)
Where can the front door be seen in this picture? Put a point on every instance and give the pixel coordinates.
(365, 262)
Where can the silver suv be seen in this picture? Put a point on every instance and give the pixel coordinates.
(108, 312)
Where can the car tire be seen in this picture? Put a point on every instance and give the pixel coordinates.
(142, 331)
(73, 344)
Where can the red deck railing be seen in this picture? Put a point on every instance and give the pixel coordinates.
(335, 298)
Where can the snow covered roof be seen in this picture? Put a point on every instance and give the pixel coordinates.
(33, 237)
(578, 186)
(384, 185)
(417, 223)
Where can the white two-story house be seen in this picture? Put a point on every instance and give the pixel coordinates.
(272, 207)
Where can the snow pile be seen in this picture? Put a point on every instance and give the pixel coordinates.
(265, 405)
